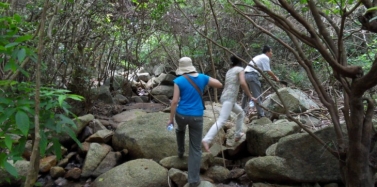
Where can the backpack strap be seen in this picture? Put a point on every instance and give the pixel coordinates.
(196, 88)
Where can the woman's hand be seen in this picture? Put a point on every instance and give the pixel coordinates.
(170, 122)
(254, 99)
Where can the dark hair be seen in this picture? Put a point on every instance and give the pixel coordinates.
(236, 61)
(266, 49)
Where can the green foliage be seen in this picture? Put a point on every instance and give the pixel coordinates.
(158, 7)
(16, 120)
(293, 74)
(298, 78)
(370, 10)
(12, 44)
(17, 100)
(365, 60)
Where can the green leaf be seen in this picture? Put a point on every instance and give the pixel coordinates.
(374, 18)
(10, 169)
(18, 149)
(58, 127)
(5, 101)
(57, 148)
(11, 65)
(21, 55)
(3, 159)
(4, 5)
(8, 142)
(24, 73)
(371, 9)
(72, 134)
(67, 120)
(7, 115)
(22, 122)
(11, 45)
(24, 38)
(61, 99)
(7, 83)
(17, 17)
(43, 143)
(76, 97)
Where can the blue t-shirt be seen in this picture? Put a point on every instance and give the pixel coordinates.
(190, 103)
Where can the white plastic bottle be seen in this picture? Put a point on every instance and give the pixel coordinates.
(251, 104)
(170, 127)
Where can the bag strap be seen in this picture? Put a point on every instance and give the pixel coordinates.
(253, 63)
(196, 88)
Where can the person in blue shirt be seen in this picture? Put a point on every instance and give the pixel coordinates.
(187, 109)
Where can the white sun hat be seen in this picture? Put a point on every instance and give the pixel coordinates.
(185, 66)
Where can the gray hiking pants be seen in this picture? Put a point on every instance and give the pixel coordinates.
(195, 127)
(255, 87)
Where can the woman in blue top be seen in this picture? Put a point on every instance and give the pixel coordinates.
(187, 108)
(234, 78)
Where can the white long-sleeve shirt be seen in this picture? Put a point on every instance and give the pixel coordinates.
(262, 61)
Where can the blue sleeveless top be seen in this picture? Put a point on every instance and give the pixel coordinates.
(190, 103)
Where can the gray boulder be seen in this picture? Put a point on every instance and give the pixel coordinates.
(178, 177)
(260, 137)
(96, 154)
(168, 79)
(128, 115)
(22, 168)
(296, 101)
(217, 173)
(103, 94)
(144, 76)
(298, 152)
(159, 79)
(139, 172)
(181, 163)
(120, 99)
(163, 90)
(146, 136)
(203, 184)
(159, 69)
(118, 82)
(109, 162)
(81, 122)
(163, 99)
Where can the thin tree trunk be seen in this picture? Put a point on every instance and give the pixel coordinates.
(34, 160)
(209, 48)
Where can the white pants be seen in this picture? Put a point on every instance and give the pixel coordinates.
(224, 115)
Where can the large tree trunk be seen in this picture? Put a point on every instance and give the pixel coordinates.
(357, 170)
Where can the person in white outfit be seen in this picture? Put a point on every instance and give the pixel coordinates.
(235, 77)
(262, 62)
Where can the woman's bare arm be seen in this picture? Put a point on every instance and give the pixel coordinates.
(214, 83)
